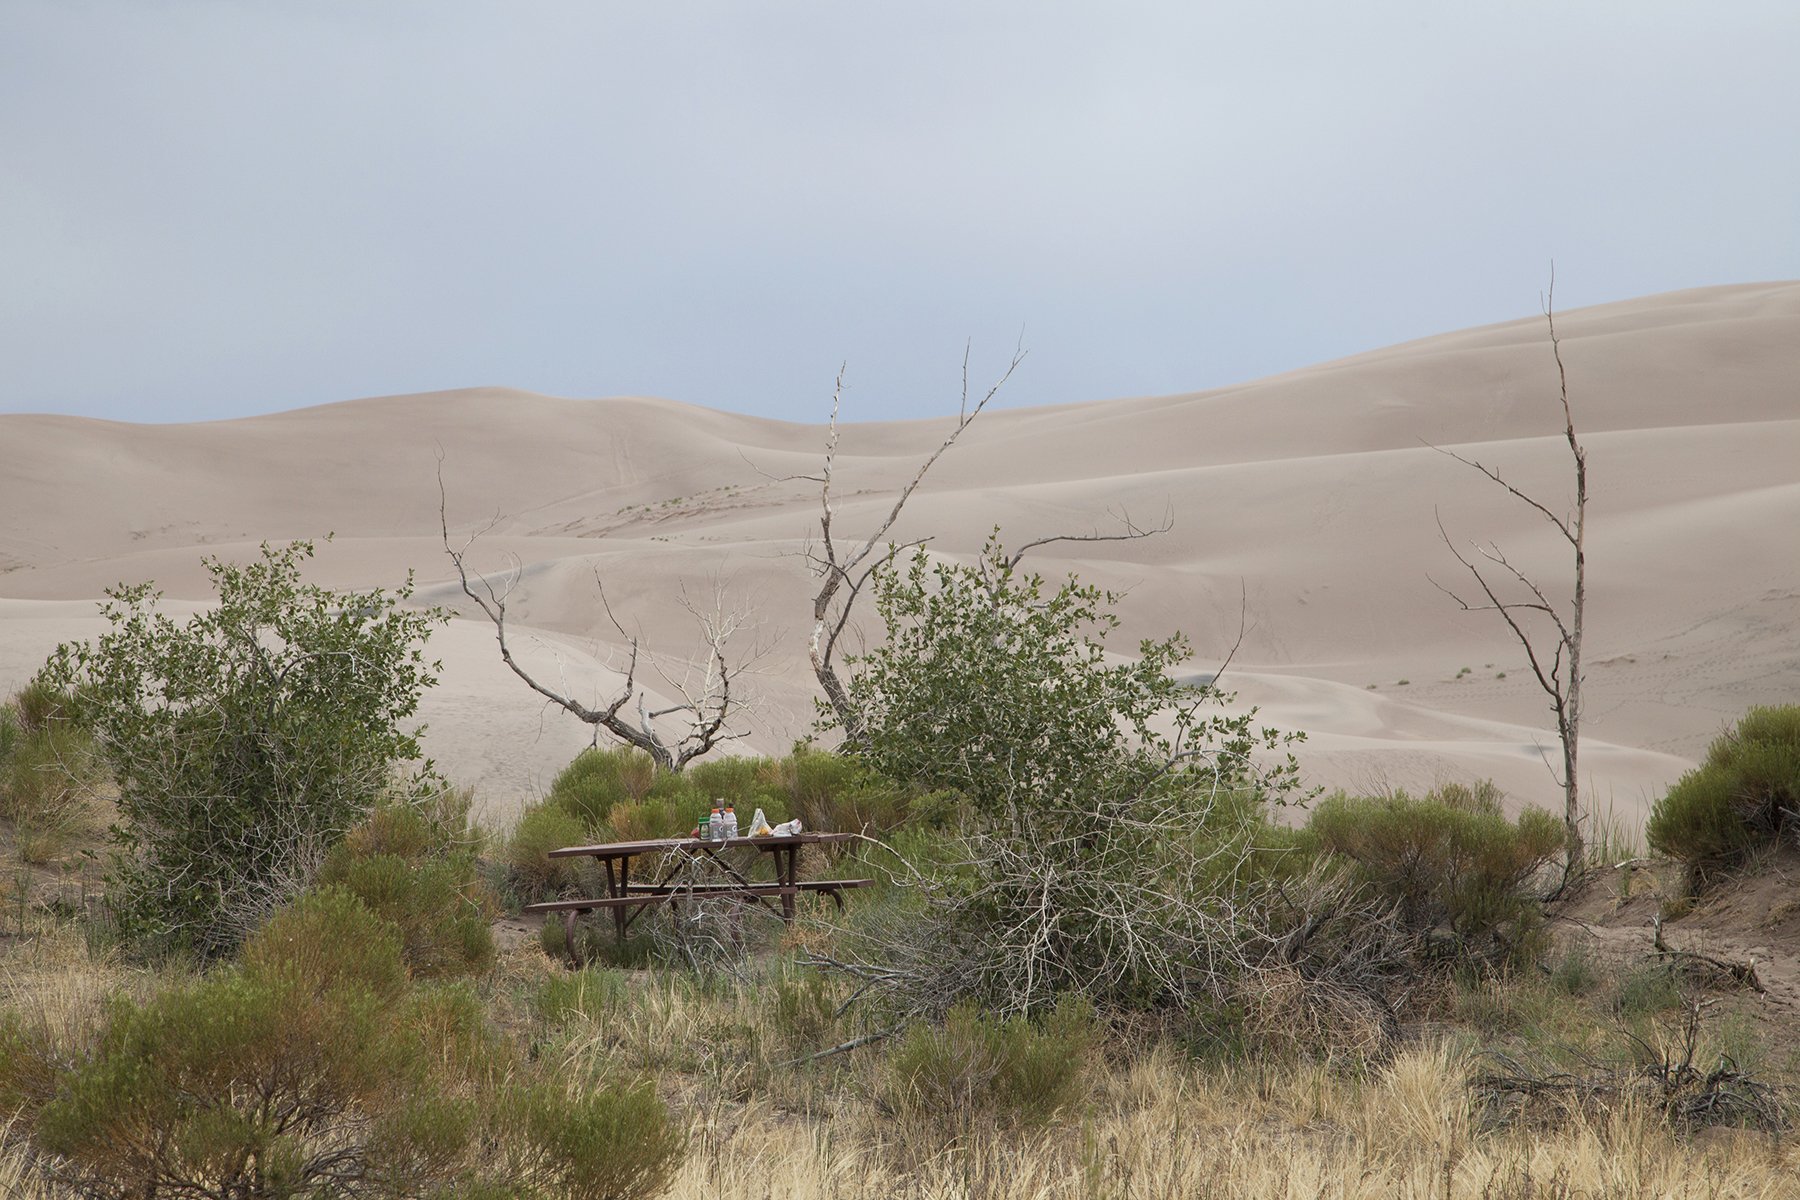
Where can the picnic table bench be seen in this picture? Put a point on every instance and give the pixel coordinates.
(628, 900)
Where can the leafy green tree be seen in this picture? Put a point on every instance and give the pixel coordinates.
(994, 686)
(248, 740)
(1109, 810)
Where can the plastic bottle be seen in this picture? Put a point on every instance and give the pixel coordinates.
(731, 825)
(716, 828)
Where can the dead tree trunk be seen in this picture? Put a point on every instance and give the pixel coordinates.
(1557, 667)
(843, 572)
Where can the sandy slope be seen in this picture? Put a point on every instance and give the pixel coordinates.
(1304, 502)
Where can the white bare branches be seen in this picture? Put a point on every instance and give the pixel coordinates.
(1509, 591)
(842, 572)
(707, 683)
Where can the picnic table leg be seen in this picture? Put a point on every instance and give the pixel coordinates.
(786, 873)
(615, 886)
(569, 939)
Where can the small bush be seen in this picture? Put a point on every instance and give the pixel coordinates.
(39, 705)
(1746, 794)
(804, 1011)
(749, 783)
(1648, 989)
(612, 1142)
(1451, 860)
(590, 786)
(437, 905)
(288, 1076)
(832, 792)
(412, 865)
(327, 942)
(1014, 1071)
(50, 775)
(654, 818)
(532, 873)
(1576, 974)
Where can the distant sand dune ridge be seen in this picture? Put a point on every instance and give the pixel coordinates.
(1304, 505)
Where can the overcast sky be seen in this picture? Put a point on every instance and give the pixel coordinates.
(213, 208)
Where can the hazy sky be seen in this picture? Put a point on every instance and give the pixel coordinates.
(220, 207)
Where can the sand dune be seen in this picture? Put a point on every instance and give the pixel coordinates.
(1305, 504)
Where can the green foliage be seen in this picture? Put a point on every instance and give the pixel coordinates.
(532, 874)
(611, 1142)
(1015, 1071)
(992, 686)
(1745, 794)
(246, 741)
(588, 994)
(414, 865)
(315, 1068)
(1451, 860)
(1104, 812)
(39, 705)
(803, 1009)
(1648, 989)
(744, 781)
(288, 1076)
(50, 774)
(597, 780)
(837, 792)
(327, 943)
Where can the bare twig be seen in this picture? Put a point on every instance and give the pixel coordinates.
(705, 684)
(1517, 598)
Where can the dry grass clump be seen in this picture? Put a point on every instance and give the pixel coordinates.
(1160, 1128)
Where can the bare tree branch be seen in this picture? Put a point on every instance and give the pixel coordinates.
(706, 686)
(836, 567)
(1557, 669)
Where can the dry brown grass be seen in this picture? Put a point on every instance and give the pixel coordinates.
(1154, 1122)
(1161, 1128)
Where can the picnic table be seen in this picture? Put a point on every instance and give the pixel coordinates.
(678, 881)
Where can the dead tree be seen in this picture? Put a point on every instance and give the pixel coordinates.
(708, 684)
(1557, 667)
(842, 572)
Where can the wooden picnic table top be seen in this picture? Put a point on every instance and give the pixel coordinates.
(766, 842)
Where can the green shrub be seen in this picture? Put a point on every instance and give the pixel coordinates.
(1744, 795)
(296, 1074)
(748, 783)
(245, 740)
(1451, 861)
(1015, 1071)
(438, 906)
(11, 731)
(1576, 974)
(653, 818)
(315, 1068)
(50, 779)
(328, 942)
(39, 704)
(837, 793)
(611, 1142)
(413, 866)
(804, 1009)
(596, 780)
(1648, 989)
(531, 872)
